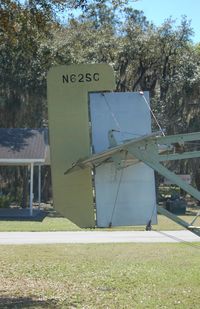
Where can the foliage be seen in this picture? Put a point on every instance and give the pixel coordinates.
(5, 201)
(159, 59)
(21, 55)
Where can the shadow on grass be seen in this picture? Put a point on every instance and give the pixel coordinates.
(27, 302)
(22, 214)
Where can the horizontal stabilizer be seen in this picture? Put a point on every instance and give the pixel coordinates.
(106, 156)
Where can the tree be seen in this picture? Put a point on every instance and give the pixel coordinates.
(25, 58)
(161, 60)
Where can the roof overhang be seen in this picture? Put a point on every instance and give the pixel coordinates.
(22, 161)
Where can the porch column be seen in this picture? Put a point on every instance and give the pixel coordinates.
(31, 189)
(39, 185)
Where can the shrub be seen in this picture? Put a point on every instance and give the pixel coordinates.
(5, 201)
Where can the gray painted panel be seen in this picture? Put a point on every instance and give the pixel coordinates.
(135, 202)
(126, 112)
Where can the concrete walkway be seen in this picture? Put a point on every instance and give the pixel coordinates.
(90, 237)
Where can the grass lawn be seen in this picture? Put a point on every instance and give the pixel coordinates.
(62, 224)
(104, 276)
(101, 276)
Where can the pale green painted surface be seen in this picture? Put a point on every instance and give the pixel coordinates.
(67, 90)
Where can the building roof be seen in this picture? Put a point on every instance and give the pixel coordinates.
(23, 145)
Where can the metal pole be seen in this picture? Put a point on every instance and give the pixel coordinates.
(178, 220)
(31, 190)
(39, 185)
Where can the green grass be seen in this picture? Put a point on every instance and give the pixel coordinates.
(48, 224)
(62, 224)
(112, 276)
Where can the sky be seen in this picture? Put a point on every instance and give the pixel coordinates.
(159, 10)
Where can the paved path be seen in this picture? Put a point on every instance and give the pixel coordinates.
(89, 237)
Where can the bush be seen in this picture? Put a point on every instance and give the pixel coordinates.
(5, 201)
